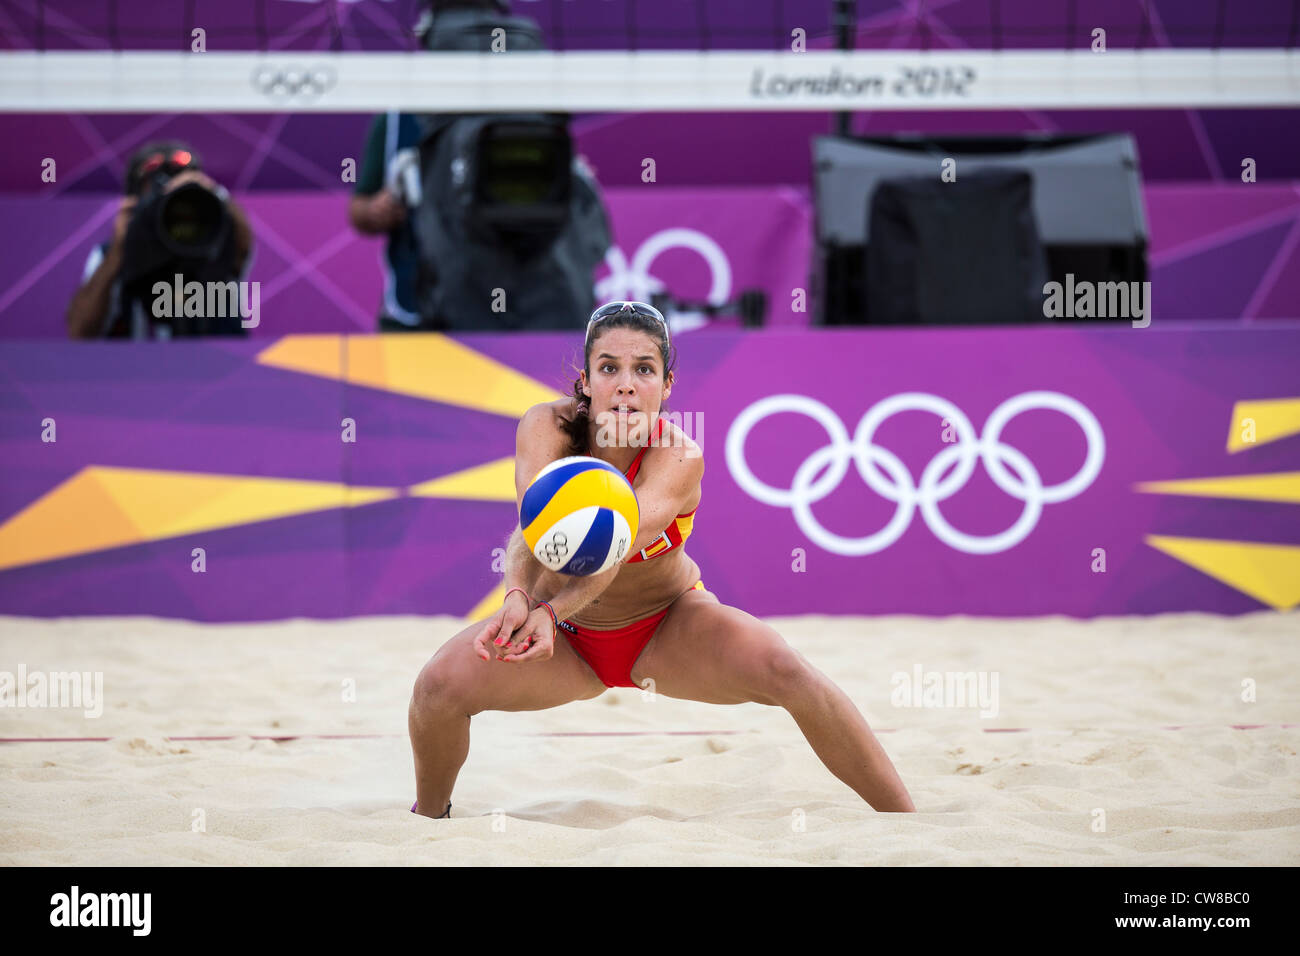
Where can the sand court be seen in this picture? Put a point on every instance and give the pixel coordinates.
(1080, 765)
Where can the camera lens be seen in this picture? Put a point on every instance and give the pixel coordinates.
(190, 219)
(521, 169)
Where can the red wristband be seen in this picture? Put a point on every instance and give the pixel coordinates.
(521, 591)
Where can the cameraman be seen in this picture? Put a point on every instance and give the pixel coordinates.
(96, 308)
(388, 184)
(480, 207)
(388, 189)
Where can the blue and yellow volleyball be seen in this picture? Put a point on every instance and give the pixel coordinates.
(579, 515)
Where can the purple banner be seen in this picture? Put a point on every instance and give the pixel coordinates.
(1217, 252)
(318, 275)
(303, 151)
(1077, 471)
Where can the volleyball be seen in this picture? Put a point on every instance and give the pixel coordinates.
(579, 515)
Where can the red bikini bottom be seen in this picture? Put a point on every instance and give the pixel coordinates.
(612, 654)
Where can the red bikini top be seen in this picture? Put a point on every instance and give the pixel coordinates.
(677, 531)
(630, 474)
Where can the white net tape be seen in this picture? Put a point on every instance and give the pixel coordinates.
(647, 81)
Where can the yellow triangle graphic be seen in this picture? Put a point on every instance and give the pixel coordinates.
(1281, 486)
(74, 517)
(102, 507)
(422, 365)
(1267, 572)
(1263, 422)
(494, 481)
(314, 354)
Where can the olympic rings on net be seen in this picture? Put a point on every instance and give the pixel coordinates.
(293, 82)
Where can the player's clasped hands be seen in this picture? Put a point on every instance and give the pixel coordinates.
(515, 634)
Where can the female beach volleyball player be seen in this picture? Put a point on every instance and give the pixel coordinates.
(559, 638)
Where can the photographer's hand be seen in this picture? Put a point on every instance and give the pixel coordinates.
(378, 213)
(243, 234)
(388, 209)
(121, 221)
(89, 305)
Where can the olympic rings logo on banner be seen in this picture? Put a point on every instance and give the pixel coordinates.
(632, 280)
(887, 476)
(293, 82)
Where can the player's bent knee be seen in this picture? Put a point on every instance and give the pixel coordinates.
(783, 674)
(439, 689)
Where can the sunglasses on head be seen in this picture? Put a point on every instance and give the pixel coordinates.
(174, 161)
(615, 308)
